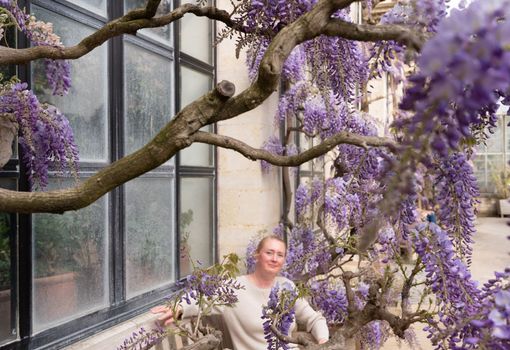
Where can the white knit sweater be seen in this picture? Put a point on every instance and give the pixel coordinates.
(244, 320)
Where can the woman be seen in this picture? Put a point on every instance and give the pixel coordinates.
(244, 320)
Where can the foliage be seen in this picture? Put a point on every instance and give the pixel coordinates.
(70, 242)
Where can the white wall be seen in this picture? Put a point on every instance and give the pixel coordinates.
(248, 200)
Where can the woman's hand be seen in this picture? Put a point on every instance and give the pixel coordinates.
(167, 318)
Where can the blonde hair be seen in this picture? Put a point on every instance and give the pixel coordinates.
(267, 238)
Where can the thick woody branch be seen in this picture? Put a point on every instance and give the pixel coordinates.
(299, 339)
(127, 24)
(275, 159)
(366, 32)
(310, 25)
(408, 283)
(347, 276)
(207, 342)
(172, 138)
(322, 226)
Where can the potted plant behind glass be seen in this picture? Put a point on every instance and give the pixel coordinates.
(501, 180)
(185, 249)
(68, 264)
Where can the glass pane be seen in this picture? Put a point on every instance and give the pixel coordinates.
(495, 166)
(96, 6)
(148, 90)
(196, 36)
(194, 85)
(495, 143)
(86, 106)
(163, 34)
(149, 234)
(480, 172)
(70, 262)
(196, 222)
(8, 317)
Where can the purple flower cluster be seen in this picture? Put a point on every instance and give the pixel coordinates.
(337, 65)
(302, 245)
(323, 116)
(279, 313)
(488, 327)
(495, 319)
(406, 216)
(307, 194)
(45, 134)
(254, 55)
(58, 72)
(450, 280)
(424, 15)
(330, 300)
(306, 253)
(459, 89)
(374, 335)
(386, 243)
(272, 15)
(218, 287)
(318, 113)
(342, 206)
(250, 255)
(273, 145)
(143, 339)
(457, 193)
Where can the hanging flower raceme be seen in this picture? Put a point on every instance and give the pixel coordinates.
(143, 339)
(307, 254)
(273, 145)
(58, 72)
(458, 90)
(457, 193)
(279, 313)
(448, 277)
(213, 284)
(330, 300)
(45, 134)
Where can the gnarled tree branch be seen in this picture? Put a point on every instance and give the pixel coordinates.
(367, 32)
(130, 23)
(295, 160)
(172, 138)
(183, 129)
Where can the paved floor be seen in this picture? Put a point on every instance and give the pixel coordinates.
(491, 252)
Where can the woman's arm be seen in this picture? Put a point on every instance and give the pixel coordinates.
(184, 310)
(314, 321)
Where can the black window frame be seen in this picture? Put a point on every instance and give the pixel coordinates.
(120, 308)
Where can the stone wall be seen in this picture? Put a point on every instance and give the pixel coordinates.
(248, 200)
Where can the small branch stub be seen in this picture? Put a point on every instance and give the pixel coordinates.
(226, 88)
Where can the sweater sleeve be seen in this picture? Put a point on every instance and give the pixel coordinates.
(314, 321)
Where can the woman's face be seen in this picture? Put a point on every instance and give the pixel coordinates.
(271, 257)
